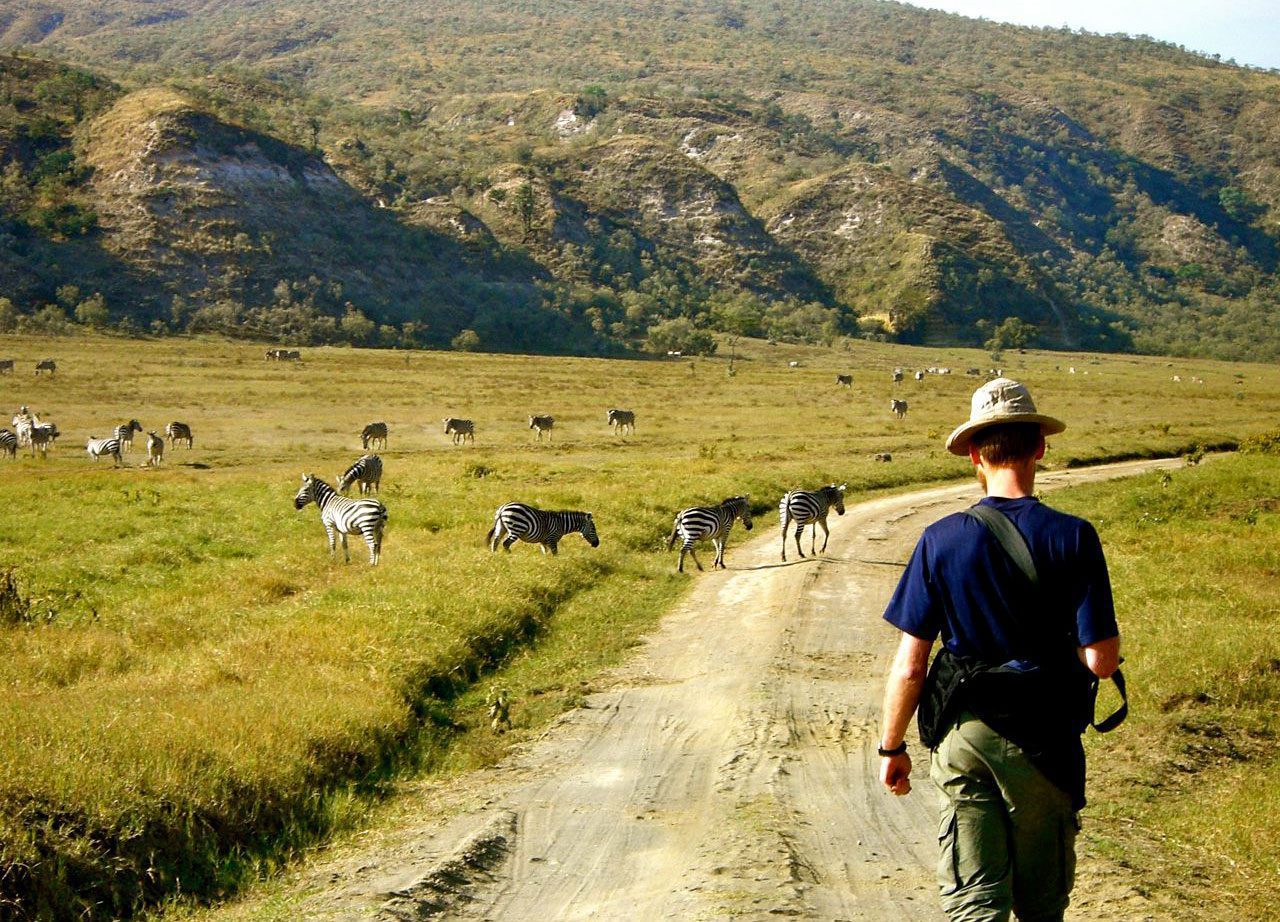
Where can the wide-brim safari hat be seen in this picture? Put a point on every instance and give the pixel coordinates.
(996, 402)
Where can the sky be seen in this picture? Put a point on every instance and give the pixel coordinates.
(1247, 30)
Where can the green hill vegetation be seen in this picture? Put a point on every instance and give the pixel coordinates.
(571, 176)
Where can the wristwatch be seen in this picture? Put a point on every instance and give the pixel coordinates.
(898, 750)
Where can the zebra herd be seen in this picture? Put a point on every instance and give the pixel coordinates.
(39, 435)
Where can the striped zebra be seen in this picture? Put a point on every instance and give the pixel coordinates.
(461, 429)
(367, 471)
(42, 436)
(178, 432)
(712, 522)
(8, 443)
(124, 432)
(897, 376)
(542, 424)
(622, 420)
(898, 408)
(6, 366)
(97, 448)
(48, 365)
(372, 434)
(23, 423)
(519, 522)
(810, 507)
(341, 516)
(844, 380)
(155, 450)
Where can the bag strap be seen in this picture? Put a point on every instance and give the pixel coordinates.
(1009, 538)
(1007, 534)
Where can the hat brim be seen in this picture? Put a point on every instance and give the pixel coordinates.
(958, 440)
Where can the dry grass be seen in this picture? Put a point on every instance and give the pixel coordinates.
(213, 691)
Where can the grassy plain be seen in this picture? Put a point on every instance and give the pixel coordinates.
(204, 690)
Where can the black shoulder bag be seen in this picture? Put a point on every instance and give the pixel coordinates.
(1035, 708)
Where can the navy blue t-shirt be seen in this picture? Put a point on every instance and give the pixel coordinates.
(961, 584)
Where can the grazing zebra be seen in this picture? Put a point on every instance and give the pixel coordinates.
(372, 433)
(461, 429)
(919, 375)
(897, 376)
(155, 450)
(844, 380)
(518, 522)
(367, 471)
(542, 424)
(809, 507)
(712, 522)
(898, 407)
(6, 366)
(97, 447)
(342, 516)
(290, 355)
(42, 436)
(622, 420)
(178, 432)
(48, 365)
(124, 432)
(882, 456)
(23, 423)
(8, 443)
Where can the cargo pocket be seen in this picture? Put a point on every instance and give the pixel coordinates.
(948, 869)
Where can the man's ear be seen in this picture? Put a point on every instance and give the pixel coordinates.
(1040, 447)
(973, 455)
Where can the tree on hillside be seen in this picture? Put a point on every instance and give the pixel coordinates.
(680, 335)
(526, 204)
(92, 311)
(1013, 333)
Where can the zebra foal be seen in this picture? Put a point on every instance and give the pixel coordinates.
(98, 448)
(542, 424)
(341, 516)
(155, 450)
(519, 522)
(462, 430)
(178, 432)
(714, 522)
(810, 507)
(367, 471)
(622, 420)
(372, 434)
(124, 432)
(8, 443)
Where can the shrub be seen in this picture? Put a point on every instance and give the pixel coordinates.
(466, 341)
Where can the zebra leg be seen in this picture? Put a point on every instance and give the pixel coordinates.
(786, 520)
(508, 541)
(799, 535)
(374, 540)
(346, 553)
(332, 537)
(688, 546)
(720, 543)
(813, 540)
(826, 534)
(554, 546)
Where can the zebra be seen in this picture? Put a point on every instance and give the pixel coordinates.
(8, 443)
(542, 424)
(373, 433)
(42, 436)
(519, 522)
(623, 420)
(461, 429)
(6, 366)
(342, 516)
(155, 450)
(897, 376)
(48, 365)
(178, 432)
(124, 432)
(844, 380)
(712, 522)
(898, 408)
(97, 448)
(23, 423)
(367, 471)
(810, 507)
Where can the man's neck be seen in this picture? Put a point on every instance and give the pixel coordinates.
(1010, 482)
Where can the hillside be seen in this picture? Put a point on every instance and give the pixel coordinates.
(815, 168)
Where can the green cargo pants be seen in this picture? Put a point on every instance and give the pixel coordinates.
(1007, 834)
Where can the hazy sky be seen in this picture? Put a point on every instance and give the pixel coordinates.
(1247, 30)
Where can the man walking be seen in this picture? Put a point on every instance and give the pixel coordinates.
(1027, 627)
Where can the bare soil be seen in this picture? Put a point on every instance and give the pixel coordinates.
(728, 771)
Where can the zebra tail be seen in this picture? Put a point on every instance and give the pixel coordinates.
(675, 533)
(488, 539)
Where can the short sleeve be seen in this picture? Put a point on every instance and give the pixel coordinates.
(915, 607)
(1096, 616)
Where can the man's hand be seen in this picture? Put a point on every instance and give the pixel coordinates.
(895, 773)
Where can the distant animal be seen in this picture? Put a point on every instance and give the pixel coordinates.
(372, 434)
(714, 522)
(124, 432)
(810, 507)
(898, 407)
(542, 424)
(973, 372)
(342, 516)
(48, 365)
(6, 366)
(844, 380)
(155, 449)
(622, 420)
(462, 430)
(919, 375)
(8, 443)
(944, 371)
(882, 456)
(519, 522)
(23, 422)
(273, 355)
(97, 448)
(499, 703)
(1177, 379)
(897, 376)
(42, 436)
(178, 432)
(367, 471)
(793, 364)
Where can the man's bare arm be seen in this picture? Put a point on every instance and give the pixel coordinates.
(901, 697)
(1103, 657)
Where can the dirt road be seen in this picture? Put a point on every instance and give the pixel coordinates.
(730, 771)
